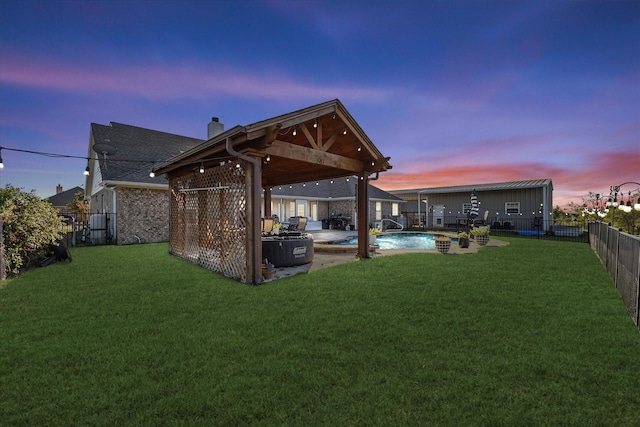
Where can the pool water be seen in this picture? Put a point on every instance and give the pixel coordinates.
(400, 241)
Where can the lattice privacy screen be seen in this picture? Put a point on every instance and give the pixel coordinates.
(208, 219)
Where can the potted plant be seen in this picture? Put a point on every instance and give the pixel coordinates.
(276, 228)
(481, 235)
(463, 239)
(373, 233)
(443, 244)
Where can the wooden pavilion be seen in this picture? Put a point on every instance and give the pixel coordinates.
(217, 186)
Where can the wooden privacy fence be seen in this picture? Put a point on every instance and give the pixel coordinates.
(620, 254)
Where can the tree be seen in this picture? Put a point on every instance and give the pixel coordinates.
(80, 205)
(30, 226)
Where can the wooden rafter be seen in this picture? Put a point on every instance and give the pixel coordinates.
(315, 156)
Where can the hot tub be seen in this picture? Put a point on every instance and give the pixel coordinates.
(286, 250)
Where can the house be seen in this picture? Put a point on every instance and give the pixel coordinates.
(332, 204)
(63, 198)
(126, 204)
(521, 205)
(223, 187)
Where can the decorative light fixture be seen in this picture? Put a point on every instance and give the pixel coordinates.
(625, 207)
(202, 167)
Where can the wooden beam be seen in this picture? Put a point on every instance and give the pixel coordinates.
(308, 135)
(329, 142)
(309, 155)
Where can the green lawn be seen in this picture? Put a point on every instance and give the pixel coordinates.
(532, 333)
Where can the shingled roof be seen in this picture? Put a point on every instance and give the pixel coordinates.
(338, 188)
(138, 149)
(65, 197)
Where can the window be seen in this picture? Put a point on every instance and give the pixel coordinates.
(378, 211)
(394, 209)
(466, 208)
(512, 208)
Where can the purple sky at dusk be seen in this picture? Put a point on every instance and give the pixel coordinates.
(455, 92)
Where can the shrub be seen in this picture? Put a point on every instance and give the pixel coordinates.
(30, 225)
(480, 231)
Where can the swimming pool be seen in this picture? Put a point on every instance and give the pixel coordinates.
(399, 241)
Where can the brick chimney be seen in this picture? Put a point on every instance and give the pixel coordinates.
(58, 189)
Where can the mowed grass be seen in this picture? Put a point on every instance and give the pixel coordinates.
(532, 333)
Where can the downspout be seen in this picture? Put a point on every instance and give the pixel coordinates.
(255, 212)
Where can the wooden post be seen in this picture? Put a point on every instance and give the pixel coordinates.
(362, 196)
(267, 202)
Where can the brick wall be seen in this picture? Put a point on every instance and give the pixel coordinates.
(144, 213)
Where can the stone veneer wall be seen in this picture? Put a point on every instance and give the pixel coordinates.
(144, 213)
(344, 208)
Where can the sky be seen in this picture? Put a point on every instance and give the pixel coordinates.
(455, 92)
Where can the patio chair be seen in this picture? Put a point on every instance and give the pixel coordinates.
(483, 221)
(296, 223)
(267, 225)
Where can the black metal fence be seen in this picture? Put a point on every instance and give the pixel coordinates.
(620, 254)
(532, 228)
(88, 229)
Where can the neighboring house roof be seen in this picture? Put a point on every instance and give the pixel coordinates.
(498, 186)
(137, 150)
(65, 197)
(338, 188)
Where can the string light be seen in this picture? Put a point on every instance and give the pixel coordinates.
(201, 167)
(87, 170)
(315, 124)
(344, 132)
(295, 132)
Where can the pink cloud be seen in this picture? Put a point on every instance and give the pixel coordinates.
(194, 81)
